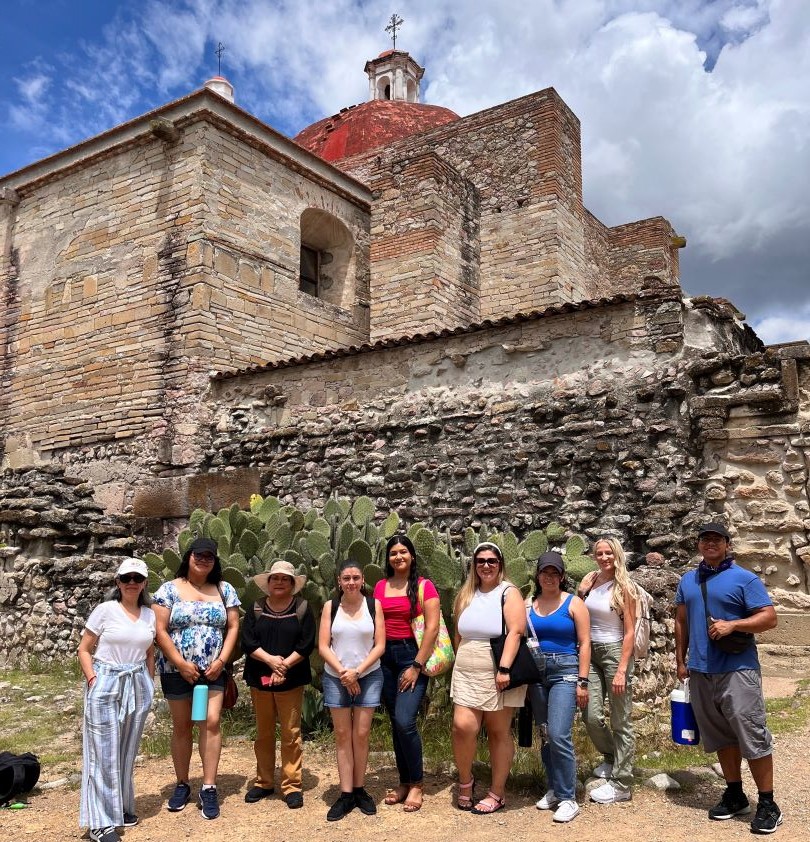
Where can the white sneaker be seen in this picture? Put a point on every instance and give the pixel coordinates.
(566, 811)
(548, 802)
(611, 792)
(603, 770)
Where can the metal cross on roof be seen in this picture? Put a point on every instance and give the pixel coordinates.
(392, 27)
(219, 51)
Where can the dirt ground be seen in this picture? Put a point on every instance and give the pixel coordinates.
(650, 817)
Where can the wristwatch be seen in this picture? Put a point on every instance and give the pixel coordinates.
(504, 670)
(418, 666)
(582, 682)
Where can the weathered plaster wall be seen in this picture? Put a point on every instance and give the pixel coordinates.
(581, 417)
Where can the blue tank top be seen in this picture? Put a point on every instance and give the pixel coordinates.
(556, 633)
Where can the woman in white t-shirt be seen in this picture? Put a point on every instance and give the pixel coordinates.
(610, 597)
(351, 640)
(117, 657)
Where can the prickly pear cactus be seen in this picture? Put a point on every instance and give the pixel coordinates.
(316, 542)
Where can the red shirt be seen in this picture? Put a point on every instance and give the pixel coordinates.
(397, 609)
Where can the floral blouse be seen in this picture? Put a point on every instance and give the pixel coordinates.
(196, 627)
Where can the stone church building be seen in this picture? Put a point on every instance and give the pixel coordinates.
(398, 302)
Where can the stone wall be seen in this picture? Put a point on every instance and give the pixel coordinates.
(581, 416)
(58, 554)
(614, 417)
(126, 278)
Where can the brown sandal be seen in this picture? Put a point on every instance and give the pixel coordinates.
(396, 795)
(464, 799)
(411, 805)
(483, 808)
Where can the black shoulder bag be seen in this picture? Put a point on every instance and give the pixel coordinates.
(731, 644)
(524, 670)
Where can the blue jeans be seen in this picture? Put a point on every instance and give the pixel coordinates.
(554, 703)
(403, 708)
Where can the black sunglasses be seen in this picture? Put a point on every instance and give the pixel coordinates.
(129, 578)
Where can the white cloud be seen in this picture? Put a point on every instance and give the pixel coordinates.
(783, 328)
(696, 110)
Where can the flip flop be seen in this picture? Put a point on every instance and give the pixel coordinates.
(484, 809)
(412, 806)
(396, 795)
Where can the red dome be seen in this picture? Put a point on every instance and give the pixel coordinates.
(370, 125)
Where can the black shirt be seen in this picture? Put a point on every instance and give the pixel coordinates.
(278, 634)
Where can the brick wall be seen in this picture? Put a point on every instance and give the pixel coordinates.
(523, 158)
(424, 249)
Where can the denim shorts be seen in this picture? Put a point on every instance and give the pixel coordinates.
(335, 695)
(175, 687)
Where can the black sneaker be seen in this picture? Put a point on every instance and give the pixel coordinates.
(342, 807)
(729, 806)
(208, 803)
(104, 834)
(180, 797)
(294, 800)
(364, 801)
(256, 793)
(130, 819)
(767, 819)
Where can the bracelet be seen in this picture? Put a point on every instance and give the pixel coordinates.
(504, 670)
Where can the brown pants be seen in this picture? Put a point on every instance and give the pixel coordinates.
(285, 708)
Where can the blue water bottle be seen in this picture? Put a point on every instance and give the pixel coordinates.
(199, 703)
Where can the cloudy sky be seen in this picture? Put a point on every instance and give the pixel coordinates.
(698, 111)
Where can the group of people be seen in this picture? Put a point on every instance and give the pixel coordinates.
(582, 645)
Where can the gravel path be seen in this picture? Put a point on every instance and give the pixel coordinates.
(650, 817)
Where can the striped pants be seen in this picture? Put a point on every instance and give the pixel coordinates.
(115, 710)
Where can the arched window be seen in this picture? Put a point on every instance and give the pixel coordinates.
(327, 258)
(411, 87)
(384, 87)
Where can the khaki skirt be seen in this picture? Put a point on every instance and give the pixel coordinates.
(473, 681)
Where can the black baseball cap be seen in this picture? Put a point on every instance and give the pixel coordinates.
(551, 559)
(716, 528)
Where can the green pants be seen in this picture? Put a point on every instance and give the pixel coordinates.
(616, 742)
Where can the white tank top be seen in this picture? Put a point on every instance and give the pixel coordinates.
(352, 640)
(481, 619)
(606, 625)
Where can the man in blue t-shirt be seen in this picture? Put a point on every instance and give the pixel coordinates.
(726, 687)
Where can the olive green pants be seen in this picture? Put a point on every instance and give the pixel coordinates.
(616, 742)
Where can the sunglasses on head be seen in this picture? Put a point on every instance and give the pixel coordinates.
(129, 578)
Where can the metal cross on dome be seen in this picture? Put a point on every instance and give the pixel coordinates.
(219, 51)
(392, 27)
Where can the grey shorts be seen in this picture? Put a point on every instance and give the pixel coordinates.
(730, 711)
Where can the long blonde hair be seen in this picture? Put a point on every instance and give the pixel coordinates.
(622, 583)
(472, 582)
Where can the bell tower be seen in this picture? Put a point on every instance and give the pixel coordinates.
(394, 75)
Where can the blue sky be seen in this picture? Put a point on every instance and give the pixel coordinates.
(698, 111)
